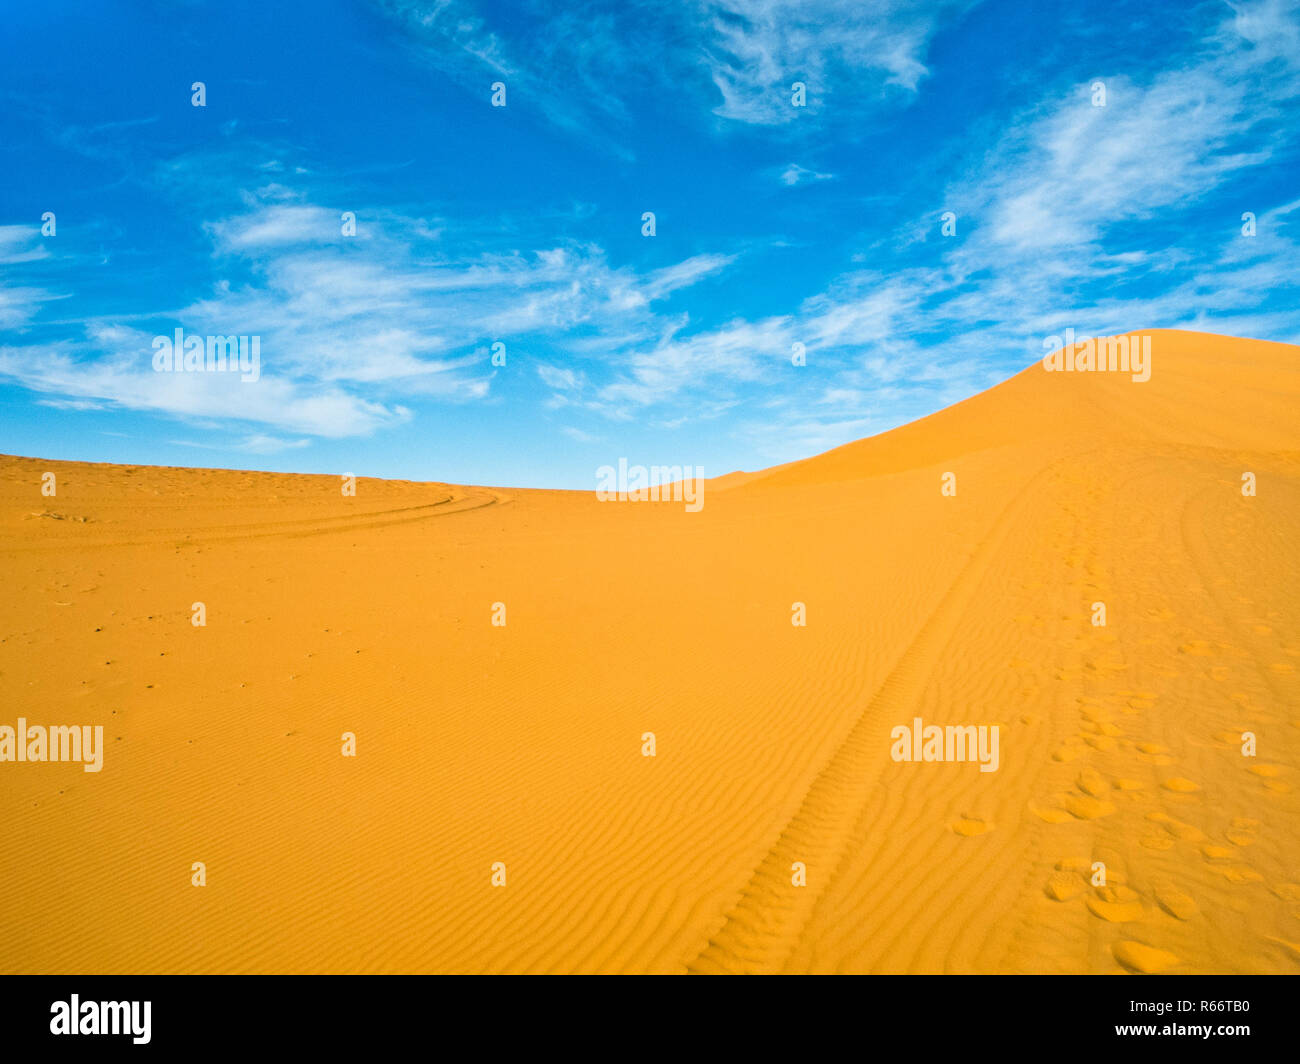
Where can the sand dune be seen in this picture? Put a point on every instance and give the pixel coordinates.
(522, 744)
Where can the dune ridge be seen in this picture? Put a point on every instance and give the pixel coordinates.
(522, 743)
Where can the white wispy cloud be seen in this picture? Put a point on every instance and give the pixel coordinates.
(758, 48)
(348, 327)
(19, 303)
(276, 225)
(561, 378)
(749, 52)
(1047, 220)
(124, 378)
(794, 174)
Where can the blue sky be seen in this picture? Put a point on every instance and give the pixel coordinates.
(775, 225)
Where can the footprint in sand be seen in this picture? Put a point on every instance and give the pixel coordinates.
(1154, 753)
(1116, 904)
(1092, 782)
(1084, 807)
(1176, 903)
(1049, 813)
(1230, 738)
(969, 826)
(1062, 886)
(1292, 948)
(1144, 959)
(1237, 873)
(1180, 785)
(1177, 828)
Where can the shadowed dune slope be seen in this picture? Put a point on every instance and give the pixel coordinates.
(520, 745)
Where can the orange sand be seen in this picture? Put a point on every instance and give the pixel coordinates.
(522, 744)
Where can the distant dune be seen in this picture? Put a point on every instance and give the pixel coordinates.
(485, 749)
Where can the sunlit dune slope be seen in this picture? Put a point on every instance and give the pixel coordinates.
(521, 745)
(1204, 390)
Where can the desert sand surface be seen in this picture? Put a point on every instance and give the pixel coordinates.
(522, 744)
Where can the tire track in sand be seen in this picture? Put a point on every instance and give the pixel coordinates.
(764, 925)
(457, 502)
